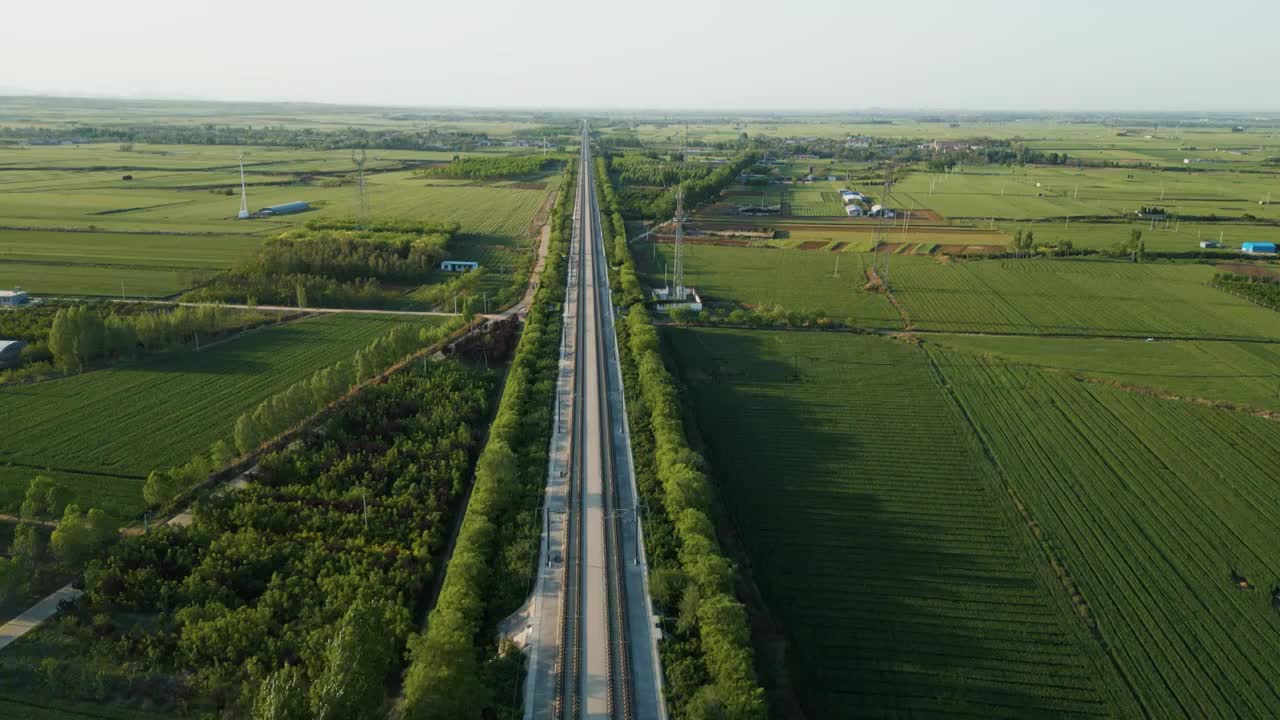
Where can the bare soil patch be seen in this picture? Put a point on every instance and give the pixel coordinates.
(839, 246)
(1249, 269)
(924, 216)
(812, 245)
(706, 240)
(970, 249)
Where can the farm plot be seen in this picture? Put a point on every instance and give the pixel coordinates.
(101, 263)
(162, 251)
(796, 280)
(1075, 297)
(169, 190)
(1176, 237)
(1045, 192)
(94, 280)
(1164, 513)
(161, 410)
(806, 202)
(904, 581)
(1236, 372)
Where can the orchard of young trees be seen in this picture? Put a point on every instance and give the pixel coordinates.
(330, 264)
(488, 168)
(291, 406)
(295, 595)
(81, 335)
(698, 189)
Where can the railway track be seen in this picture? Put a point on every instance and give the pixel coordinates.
(593, 662)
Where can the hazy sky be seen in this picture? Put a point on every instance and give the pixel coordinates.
(775, 54)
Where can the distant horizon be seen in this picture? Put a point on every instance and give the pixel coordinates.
(36, 94)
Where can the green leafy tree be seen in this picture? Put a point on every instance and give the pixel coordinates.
(28, 546)
(281, 696)
(356, 662)
(247, 435)
(45, 498)
(104, 526)
(12, 577)
(74, 539)
(63, 340)
(159, 489)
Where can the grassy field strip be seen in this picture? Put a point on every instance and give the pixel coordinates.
(91, 280)
(193, 251)
(1153, 505)
(1238, 372)
(795, 279)
(1044, 192)
(161, 410)
(895, 563)
(1074, 297)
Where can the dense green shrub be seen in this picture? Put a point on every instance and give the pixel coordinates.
(477, 168)
(708, 660)
(626, 288)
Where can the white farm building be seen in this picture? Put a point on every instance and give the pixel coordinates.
(459, 265)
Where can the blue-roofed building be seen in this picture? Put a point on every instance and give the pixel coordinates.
(284, 209)
(11, 353)
(1259, 247)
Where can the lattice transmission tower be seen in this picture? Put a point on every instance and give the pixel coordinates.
(244, 198)
(362, 214)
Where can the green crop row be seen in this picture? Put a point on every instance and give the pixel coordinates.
(887, 554)
(1159, 510)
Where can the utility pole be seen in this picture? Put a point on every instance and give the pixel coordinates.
(677, 278)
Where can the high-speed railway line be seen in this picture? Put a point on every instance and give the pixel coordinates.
(605, 663)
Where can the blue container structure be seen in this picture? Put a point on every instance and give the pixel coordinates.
(1259, 247)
